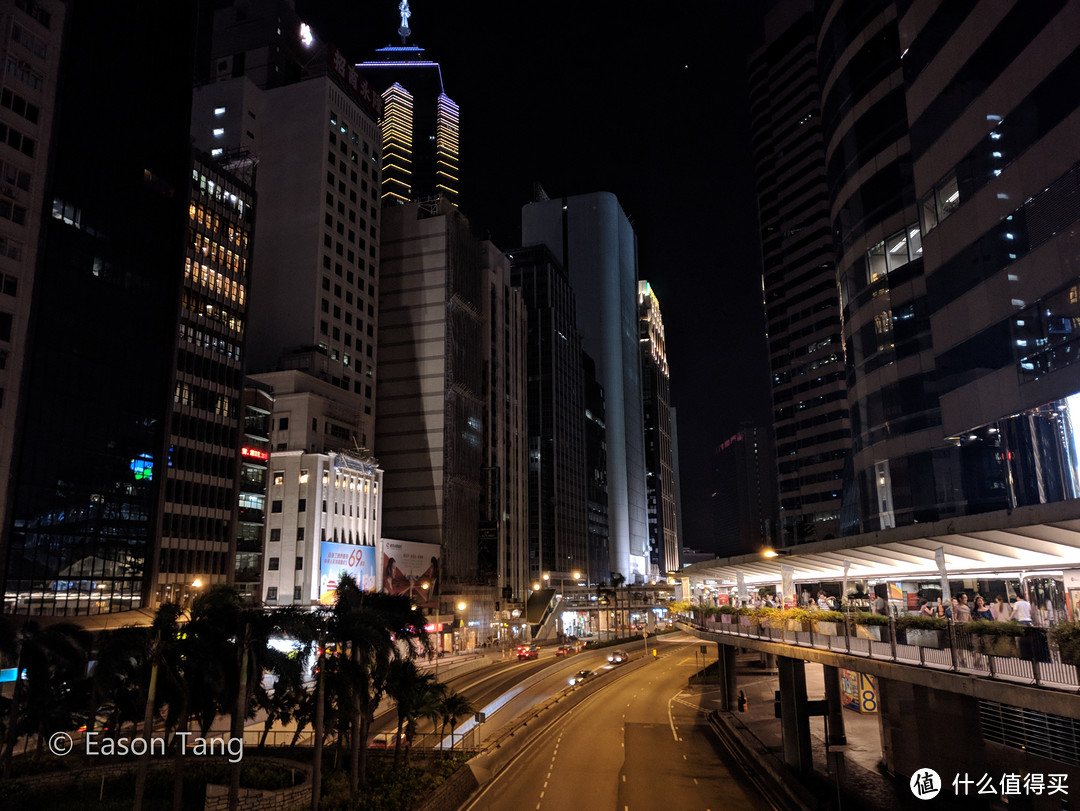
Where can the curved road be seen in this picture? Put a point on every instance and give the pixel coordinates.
(637, 741)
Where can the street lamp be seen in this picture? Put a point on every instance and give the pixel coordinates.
(436, 624)
(195, 584)
(576, 575)
(461, 606)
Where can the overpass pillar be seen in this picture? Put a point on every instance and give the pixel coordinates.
(794, 721)
(729, 686)
(836, 706)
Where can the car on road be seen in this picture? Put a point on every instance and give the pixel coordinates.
(528, 652)
(580, 676)
(564, 650)
(617, 657)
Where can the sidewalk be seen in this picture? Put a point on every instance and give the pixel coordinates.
(862, 784)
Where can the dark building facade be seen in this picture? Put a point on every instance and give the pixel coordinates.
(83, 524)
(30, 48)
(742, 518)
(254, 452)
(806, 353)
(558, 535)
(596, 484)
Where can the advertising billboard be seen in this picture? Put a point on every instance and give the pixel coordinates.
(336, 559)
(405, 566)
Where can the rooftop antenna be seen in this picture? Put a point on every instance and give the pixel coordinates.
(404, 30)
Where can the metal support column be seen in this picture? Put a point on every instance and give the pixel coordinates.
(729, 688)
(794, 721)
(836, 706)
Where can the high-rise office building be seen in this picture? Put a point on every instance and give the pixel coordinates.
(92, 446)
(199, 498)
(31, 50)
(594, 241)
(437, 374)
(596, 488)
(905, 469)
(994, 110)
(420, 139)
(504, 547)
(558, 535)
(656, 415)
(802, 311)
(276, 93)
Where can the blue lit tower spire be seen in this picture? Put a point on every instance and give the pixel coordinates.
(404, 29)
(420, 122)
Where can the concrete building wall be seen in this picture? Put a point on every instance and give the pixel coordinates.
(958, 736)
(317, 155)
(431, 436)
(505, 507)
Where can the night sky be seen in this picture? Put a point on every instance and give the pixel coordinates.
(647, 101)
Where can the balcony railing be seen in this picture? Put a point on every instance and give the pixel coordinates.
(1028, 658)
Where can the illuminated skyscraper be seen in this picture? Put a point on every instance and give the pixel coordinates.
(420, 123)
(656, 414)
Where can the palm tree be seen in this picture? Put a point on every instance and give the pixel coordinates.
(280, 703)
(417, 696)
(54, 658)
(617, 581)
(119, 678)
(254, 655)
(453, 707)
(375, 629)
(312, 630)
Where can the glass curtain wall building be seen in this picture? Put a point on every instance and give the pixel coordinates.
(994, 105)
(951, 152)
(92, 451)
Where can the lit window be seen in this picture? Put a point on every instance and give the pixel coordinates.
(219, 131)
(216, 153)
(303, 477)
(219, 111)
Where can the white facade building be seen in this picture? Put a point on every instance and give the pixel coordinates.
(314, 498)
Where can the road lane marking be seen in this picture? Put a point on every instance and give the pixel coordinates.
(671, 719)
